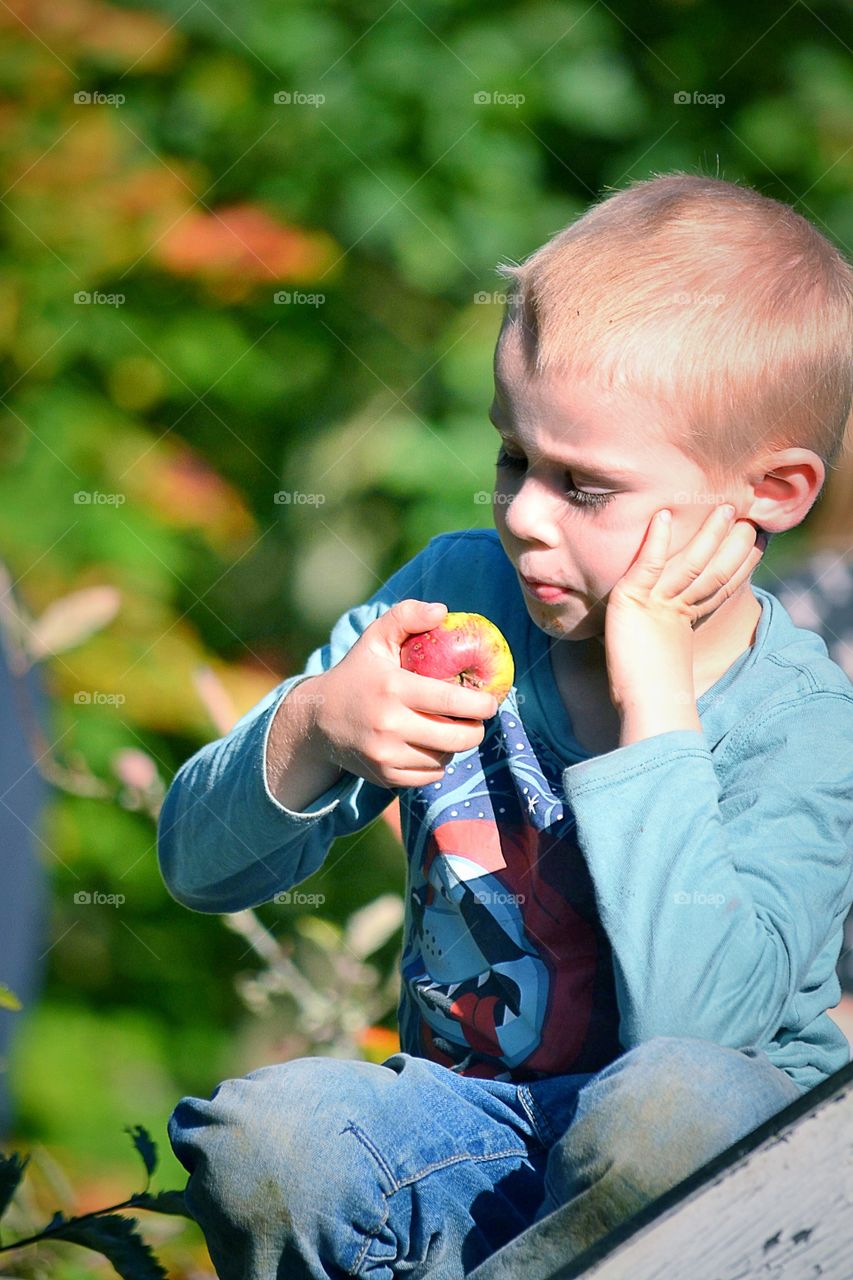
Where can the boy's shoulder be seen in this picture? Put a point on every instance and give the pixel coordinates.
(785, 687)
(798, 651)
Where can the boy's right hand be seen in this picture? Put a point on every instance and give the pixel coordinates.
(396, 728)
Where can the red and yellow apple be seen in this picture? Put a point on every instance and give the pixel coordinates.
(465, 648)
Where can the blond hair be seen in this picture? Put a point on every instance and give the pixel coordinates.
(726, 304)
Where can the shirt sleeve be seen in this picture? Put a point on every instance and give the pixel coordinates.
(719, 892)
(224, 842)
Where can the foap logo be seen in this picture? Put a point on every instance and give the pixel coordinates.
(697, 898)
(85, 98)
(483, 297)
(488, 898)
(95, 698)
(700, 497)
(86, 898)
(685, 99)
(497, 99)
(286, 497)
(95, 498)
(294, 898)
(295, 98)
(694, 298)
(83, 298)
(482, 498)
(293, 298)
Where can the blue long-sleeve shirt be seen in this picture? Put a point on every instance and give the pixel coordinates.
(562, 907)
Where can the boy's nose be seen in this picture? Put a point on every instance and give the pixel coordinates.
(530, 514)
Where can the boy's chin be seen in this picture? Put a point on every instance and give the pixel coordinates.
(567, 622)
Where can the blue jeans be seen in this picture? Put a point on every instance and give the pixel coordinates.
(325, 1167)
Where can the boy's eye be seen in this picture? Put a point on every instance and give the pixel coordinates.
(580, 497)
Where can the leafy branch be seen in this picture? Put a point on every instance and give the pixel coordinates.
(103, 1230)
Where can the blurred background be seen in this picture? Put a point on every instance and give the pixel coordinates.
(248, 305)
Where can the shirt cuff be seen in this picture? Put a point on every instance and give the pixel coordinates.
(624, 763)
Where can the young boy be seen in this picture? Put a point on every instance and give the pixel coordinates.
(627, 885)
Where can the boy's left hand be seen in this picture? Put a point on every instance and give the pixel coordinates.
(651, 610)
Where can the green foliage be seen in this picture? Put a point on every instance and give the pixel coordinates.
(11, 1171)
(102, 1230)
(8, 999)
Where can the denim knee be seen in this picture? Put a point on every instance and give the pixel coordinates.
(658, 1113)
(276, 1171)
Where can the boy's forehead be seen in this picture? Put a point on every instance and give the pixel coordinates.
(600, 433)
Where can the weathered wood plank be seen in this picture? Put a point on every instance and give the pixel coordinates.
(776, 1205)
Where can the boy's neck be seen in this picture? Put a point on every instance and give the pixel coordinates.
(721, 638)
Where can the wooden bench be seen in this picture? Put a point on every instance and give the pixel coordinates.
(777, 1205)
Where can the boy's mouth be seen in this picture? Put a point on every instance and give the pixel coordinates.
(547, 591)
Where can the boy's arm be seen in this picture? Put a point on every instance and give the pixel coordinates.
(718, 901)
(298, 770)
(227, 838)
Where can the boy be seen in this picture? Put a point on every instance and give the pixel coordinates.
(626, 887)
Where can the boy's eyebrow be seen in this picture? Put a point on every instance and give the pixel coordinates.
(599, 471)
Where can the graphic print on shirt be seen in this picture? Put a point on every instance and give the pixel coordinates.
(501, 958)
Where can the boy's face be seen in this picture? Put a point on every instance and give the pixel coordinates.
(570, 436)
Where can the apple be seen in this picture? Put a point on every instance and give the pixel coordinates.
(465, 648)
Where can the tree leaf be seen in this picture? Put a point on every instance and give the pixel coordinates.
(72, 619)
(162, 1202)
(11, 1171)
(8, 999)
(116, 1238)
(145, 1145)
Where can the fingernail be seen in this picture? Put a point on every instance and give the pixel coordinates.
(728, 511)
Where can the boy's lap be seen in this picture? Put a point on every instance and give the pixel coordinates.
(414, 1116)
(416, 1160)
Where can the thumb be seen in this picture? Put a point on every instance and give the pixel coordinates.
(408, 618)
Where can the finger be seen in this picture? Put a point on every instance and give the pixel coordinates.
(446, 697)
(694, 557)
(411, 759)
(408, 617)
(733, 582)
(438, 734)
(646, 570)
(732, 556)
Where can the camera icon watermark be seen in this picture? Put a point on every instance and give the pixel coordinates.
(483, 297)
(699, 497)
(694, 298)
(83, 298)
(83, 97)
(484, 98)
(95, 498)
(295, 98)
(483, 498)
(295, 898)
(312, 699)
(86, 898)
(287, 497)
(682, 899)
(293, 298)
(498, 897)
(685, 99)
